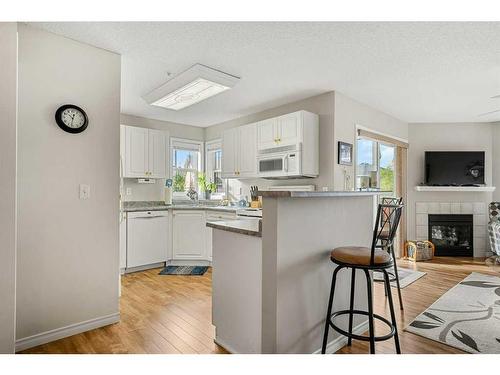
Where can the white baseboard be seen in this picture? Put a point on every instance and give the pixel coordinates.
(145, 267)
(341, 341)
(332, 347)
(59, 333)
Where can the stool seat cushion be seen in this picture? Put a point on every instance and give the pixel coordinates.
(359, 255)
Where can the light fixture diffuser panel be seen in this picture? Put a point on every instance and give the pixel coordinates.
(192, 93)
(190, 87)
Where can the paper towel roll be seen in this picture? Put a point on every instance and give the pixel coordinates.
(168, 195)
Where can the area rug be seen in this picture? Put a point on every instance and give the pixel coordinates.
(466, 317)
(406, 277)
(184, 270)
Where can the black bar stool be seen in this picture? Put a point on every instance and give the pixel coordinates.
(366, 259)
(389, 246)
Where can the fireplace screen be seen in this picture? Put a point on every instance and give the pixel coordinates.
(451, 234)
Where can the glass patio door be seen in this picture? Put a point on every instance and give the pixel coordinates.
(375, 166)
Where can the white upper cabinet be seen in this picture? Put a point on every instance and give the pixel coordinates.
(247, 160)
(239, 152)
(158, 154)
(229, 153)
(136, 152)
(288, 129)
(267, 134)
(279, 131)
(145, 152)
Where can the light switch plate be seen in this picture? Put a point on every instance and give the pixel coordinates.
(84, 191)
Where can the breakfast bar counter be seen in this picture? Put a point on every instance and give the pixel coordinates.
(270, 293)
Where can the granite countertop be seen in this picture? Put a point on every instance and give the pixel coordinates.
(244, 226)
(161, 206)
(316, 194)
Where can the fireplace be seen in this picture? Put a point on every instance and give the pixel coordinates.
(451, 234)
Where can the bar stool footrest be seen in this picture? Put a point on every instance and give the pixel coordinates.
(359, 337)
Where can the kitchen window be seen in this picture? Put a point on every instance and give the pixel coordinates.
(187, 163)
(213, 163)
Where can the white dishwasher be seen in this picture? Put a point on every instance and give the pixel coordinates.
(147, 238)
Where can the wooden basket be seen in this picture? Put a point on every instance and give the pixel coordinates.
(418, 251)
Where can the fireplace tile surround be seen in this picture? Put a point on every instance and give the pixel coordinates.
(477, 209)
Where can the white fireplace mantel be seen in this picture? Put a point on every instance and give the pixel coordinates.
(475, 189)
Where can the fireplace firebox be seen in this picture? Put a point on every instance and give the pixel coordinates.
(451, 234)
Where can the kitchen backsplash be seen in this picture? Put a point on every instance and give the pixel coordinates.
(143, 192)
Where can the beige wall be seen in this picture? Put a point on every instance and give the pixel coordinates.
(447, 137)
(349, 114)
(68, 253)
(147, 192)
(8, 97)
(175, 130)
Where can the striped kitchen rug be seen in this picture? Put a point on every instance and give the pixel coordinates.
(184, 270)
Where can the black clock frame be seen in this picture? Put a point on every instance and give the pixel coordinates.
(66, 128)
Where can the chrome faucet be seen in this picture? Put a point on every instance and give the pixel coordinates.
(193, 195)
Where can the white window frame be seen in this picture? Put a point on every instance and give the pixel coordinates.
(186, 144)
(215, 144)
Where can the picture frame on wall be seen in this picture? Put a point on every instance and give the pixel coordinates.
(344, 153)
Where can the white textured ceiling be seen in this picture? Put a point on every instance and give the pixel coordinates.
(417, 72)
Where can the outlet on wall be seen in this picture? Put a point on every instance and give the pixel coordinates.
(128, 191)
(84, 191)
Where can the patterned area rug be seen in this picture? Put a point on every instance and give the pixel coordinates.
(466, 317)
(406, 277)
(184, 270)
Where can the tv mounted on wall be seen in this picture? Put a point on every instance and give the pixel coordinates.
(454, 168)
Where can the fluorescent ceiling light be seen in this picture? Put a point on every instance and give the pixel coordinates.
(190, 87)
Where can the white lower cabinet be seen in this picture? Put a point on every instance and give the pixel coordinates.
(188, 235)
(146, 237)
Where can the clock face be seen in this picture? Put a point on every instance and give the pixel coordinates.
(71, 118)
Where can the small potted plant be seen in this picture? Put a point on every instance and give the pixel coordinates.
(205, 186)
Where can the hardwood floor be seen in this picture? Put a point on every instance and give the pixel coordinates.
(172, 314)
(159, 314)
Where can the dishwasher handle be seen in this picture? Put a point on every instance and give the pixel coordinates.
(147, 215)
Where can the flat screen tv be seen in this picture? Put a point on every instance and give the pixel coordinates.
(455, 168)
